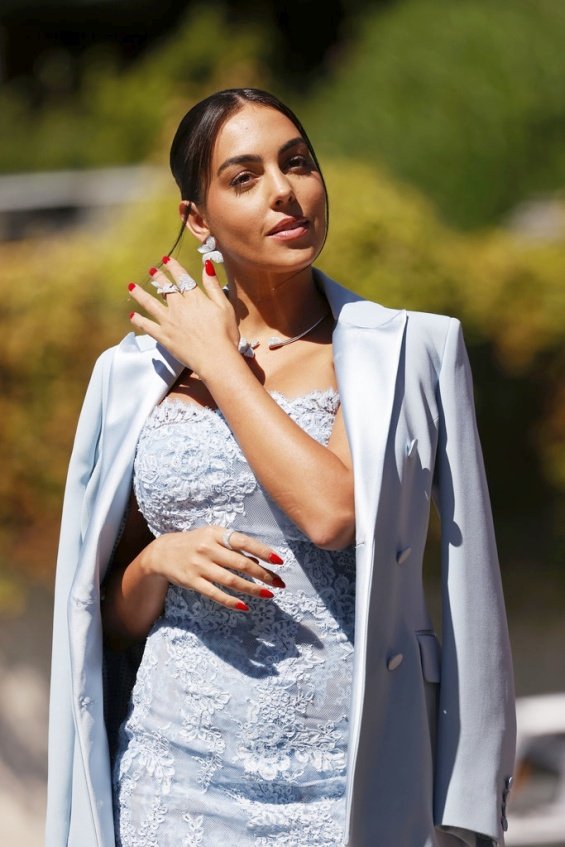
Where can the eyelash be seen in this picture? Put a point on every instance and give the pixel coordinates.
(241, 182)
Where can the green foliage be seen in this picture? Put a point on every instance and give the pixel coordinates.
(465, 100)
(67, 300)
(120, 116)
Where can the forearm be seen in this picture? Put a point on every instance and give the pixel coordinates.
(133, 599)
(308, 481)
(311, 483)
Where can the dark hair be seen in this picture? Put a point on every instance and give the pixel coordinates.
(193, 144)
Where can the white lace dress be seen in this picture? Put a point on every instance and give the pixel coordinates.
(238, 724)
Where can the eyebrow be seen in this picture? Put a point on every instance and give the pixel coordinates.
(249, 157)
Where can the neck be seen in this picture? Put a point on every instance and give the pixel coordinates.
(281, 304)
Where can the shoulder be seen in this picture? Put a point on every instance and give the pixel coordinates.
(135, 350)
(430, 339)
(432, 328)
(130, 343)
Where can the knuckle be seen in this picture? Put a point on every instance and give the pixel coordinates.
(203, 547)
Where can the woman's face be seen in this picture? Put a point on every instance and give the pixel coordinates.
(266, 201)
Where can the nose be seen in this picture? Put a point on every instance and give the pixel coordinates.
(281, 189)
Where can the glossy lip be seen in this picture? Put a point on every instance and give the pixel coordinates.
(289, 224)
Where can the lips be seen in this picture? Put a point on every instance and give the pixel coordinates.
(289, 224)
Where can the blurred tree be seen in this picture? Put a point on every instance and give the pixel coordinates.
(118, 114)
(465, 100)
(300, 36)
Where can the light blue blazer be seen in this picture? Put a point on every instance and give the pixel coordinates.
(432, 730)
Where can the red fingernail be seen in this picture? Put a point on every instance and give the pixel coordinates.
(131, 315)
(131, 286)
(152, 271)
(243, 607)
(266, 593)
(209, 268)
(166, 259)
(278, 583)
(275, 560)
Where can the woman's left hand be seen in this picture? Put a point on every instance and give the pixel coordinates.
(197, 326)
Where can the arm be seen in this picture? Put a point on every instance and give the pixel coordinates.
(313, 484)
(476, 724)
(132, 597)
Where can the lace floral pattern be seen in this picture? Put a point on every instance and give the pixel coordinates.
(238, 726)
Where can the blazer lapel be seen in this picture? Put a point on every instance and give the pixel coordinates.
(367, 341)
(367, 344)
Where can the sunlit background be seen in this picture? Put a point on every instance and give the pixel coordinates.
(440, 125)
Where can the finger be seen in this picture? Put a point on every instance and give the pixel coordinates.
(241, 542)
(146, 301)
(211, 283)
(208, 589)
(249, 566)
(228, 579)
(162, 283)
(180, 276)
(145, 325)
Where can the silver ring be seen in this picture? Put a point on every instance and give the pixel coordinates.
(186, 283)
(167, 288)
(226, 538)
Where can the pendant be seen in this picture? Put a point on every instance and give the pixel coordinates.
(246, 347)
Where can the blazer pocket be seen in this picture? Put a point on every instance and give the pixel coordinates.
(430, 655)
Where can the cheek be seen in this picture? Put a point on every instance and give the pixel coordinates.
(318, 199)
(240, 222)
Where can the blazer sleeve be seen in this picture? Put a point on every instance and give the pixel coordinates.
(79, 492)
(476, 720)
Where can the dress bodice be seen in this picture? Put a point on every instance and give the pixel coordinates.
(238, 719)
(190, 470)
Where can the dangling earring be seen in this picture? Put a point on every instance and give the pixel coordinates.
(208, 250)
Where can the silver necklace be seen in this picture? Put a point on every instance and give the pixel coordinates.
(247, 347)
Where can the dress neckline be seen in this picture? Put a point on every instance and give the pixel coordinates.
(317, 393)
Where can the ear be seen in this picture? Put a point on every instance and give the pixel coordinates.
(196, 221)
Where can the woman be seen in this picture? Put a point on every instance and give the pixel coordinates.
(290, 689)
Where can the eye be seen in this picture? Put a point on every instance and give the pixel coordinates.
(300, 162)
(242, 181)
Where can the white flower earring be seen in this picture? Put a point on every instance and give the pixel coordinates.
(208, 250)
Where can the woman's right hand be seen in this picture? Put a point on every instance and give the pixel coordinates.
(199, 561)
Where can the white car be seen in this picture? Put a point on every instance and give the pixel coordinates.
(536, 805)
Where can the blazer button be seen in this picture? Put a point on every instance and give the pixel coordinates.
(402, 555)
(394, 662)
(85, 702)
